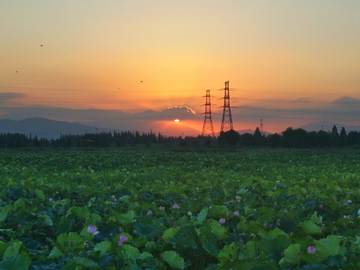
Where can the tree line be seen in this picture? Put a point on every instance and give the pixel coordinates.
(293, 138)
(290, 138)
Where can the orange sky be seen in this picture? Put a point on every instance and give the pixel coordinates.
(272, 54)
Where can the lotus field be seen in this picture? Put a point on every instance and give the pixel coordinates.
(171, 209)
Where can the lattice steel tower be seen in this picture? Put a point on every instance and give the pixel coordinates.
(226, 123)
(208, 128)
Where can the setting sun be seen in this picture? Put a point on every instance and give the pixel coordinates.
(177, 120)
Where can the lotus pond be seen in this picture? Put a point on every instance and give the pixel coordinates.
(166, 209)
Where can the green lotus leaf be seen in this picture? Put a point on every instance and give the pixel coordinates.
(145, 255)
(218, 211)
(93, 218)
(19, 204)
(5, 211)
(173, 259)
(131, 252)
(70, 242)
(150, 245)
(46, 220)
(55, 253)
(183, 221)
(125, 219)
(292, 255)
(316, 219)
(210, 246)
(169, 233)
(80, 263)
(20, 262)
(12, 251)
(310, 227)
(217, 229)
(146, 230)
(40, 194)
(81, 212)
(202, 215)
(228, 253)
(329, 246)
(102, 247)
(3, 247)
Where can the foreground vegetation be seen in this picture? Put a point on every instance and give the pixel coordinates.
(173, 209)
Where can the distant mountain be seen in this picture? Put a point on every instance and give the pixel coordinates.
(327, 126)
(45, 128)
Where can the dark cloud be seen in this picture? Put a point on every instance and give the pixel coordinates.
(10, 95)
(346, 101)
(304, 99)
(342, 109)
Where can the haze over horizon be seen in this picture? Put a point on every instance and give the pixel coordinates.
(141, 64)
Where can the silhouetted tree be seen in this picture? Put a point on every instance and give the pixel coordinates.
(353, 138)
(335, 136)
(294, 138)
(342, 137)
(260, 139)
(274, 140)
(230, 137)
(323, 139)
(248, 139)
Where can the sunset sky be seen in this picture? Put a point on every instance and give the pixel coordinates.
(107, 63)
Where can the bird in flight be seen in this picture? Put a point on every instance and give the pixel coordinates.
(41, 45)
(141, 81)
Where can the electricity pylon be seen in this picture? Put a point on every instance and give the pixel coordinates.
(208, 128)
(226, 123)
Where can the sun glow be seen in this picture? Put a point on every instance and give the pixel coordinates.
(177, 120)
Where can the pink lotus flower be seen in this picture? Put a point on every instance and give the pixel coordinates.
(275, 203)
(149, 213)
(311, 250)
(122, 239)
(321, 206)
(237, 214)
(51, 199)
(175, 206)
(92, 229)
(335, 198)
(86, 245)
(162, 208)
(349, 201)
(222, 220)
(238, 198)
(347, 217)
